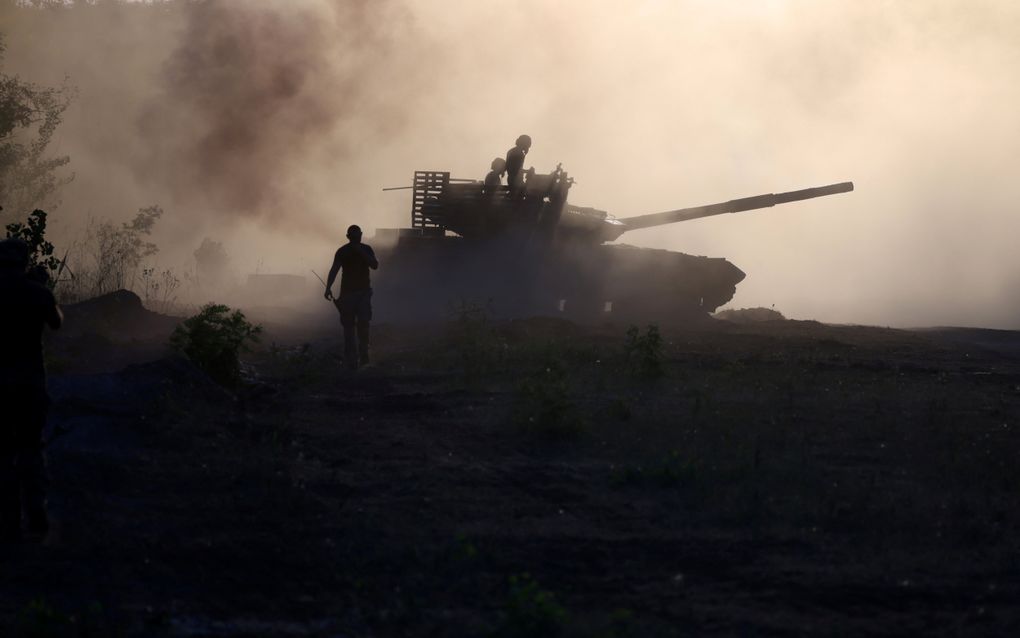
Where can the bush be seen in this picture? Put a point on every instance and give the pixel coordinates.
(644, 352)
(543, 404)
(675, 470)
(211, 262)
(749, 315)
(159, 290)
(40, 250)
(109, 257)
(480, 350)
(213, 339)
(39, 619)
(530, 610)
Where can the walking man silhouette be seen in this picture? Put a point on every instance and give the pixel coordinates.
(355, 300)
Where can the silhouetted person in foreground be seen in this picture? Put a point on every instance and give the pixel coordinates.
(26, 305)
(515, 164)
(495, 177)
(355, 300)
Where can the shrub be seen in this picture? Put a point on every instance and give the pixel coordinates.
(213, 339)
(644, 352)
(33, 233)
(543, 404)
(531, 610)
(211, 262)
(478, 347)
(159, 290)
(39, 619)
(108, 257)
(749, 315)
(674, 470)
(619, 410)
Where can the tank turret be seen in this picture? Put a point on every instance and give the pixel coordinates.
(463, 207)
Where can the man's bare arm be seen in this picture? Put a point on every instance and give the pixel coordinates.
(332, 275)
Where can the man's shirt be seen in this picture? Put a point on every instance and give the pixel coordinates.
(514, 164)
(25, 306)
(492, 182)
(354, 276)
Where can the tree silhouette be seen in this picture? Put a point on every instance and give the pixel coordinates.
(29, 115)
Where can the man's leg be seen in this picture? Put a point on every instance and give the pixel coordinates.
(31, 467)
(363, 330)
(32, 470)
(364, 317)
(12, 415)
(10, 497)
(347, 321)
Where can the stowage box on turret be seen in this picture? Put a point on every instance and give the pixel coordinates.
(528, 252)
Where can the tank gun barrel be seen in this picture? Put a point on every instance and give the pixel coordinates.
(733, 206)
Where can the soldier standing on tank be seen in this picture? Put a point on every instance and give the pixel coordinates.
(495, 177)
(515, 164)
(355, 300)
(28, 305)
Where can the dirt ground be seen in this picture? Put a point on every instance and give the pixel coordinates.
(536, 478)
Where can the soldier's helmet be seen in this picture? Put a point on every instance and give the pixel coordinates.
(14, 253)
(499, 164)
(524, 141)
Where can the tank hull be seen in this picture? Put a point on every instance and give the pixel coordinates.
(429, 278)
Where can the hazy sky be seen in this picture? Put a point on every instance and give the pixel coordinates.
(272, 125)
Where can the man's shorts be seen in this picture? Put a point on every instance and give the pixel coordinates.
(355, 306)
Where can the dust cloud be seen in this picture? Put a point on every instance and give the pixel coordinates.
(272, 125)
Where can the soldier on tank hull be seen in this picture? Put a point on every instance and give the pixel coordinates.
(355, 300)
(494, 179)
(515, 165)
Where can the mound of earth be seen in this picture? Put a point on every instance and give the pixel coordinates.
(118, 316)
(107, 333)
(749, 315)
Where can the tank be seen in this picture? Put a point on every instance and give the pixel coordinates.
(528, 251)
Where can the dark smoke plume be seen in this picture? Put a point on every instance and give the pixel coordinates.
(256, 94)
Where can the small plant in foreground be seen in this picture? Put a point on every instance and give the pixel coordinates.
(33, 233)
(672, 471)
(644, 352)
(40, 620)
(621, 625)
(159, 290)
(295, 363)
(213, 340)
(531, 610)
(543, 404)
(619, 410)
(473, 338)
(465, 549)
